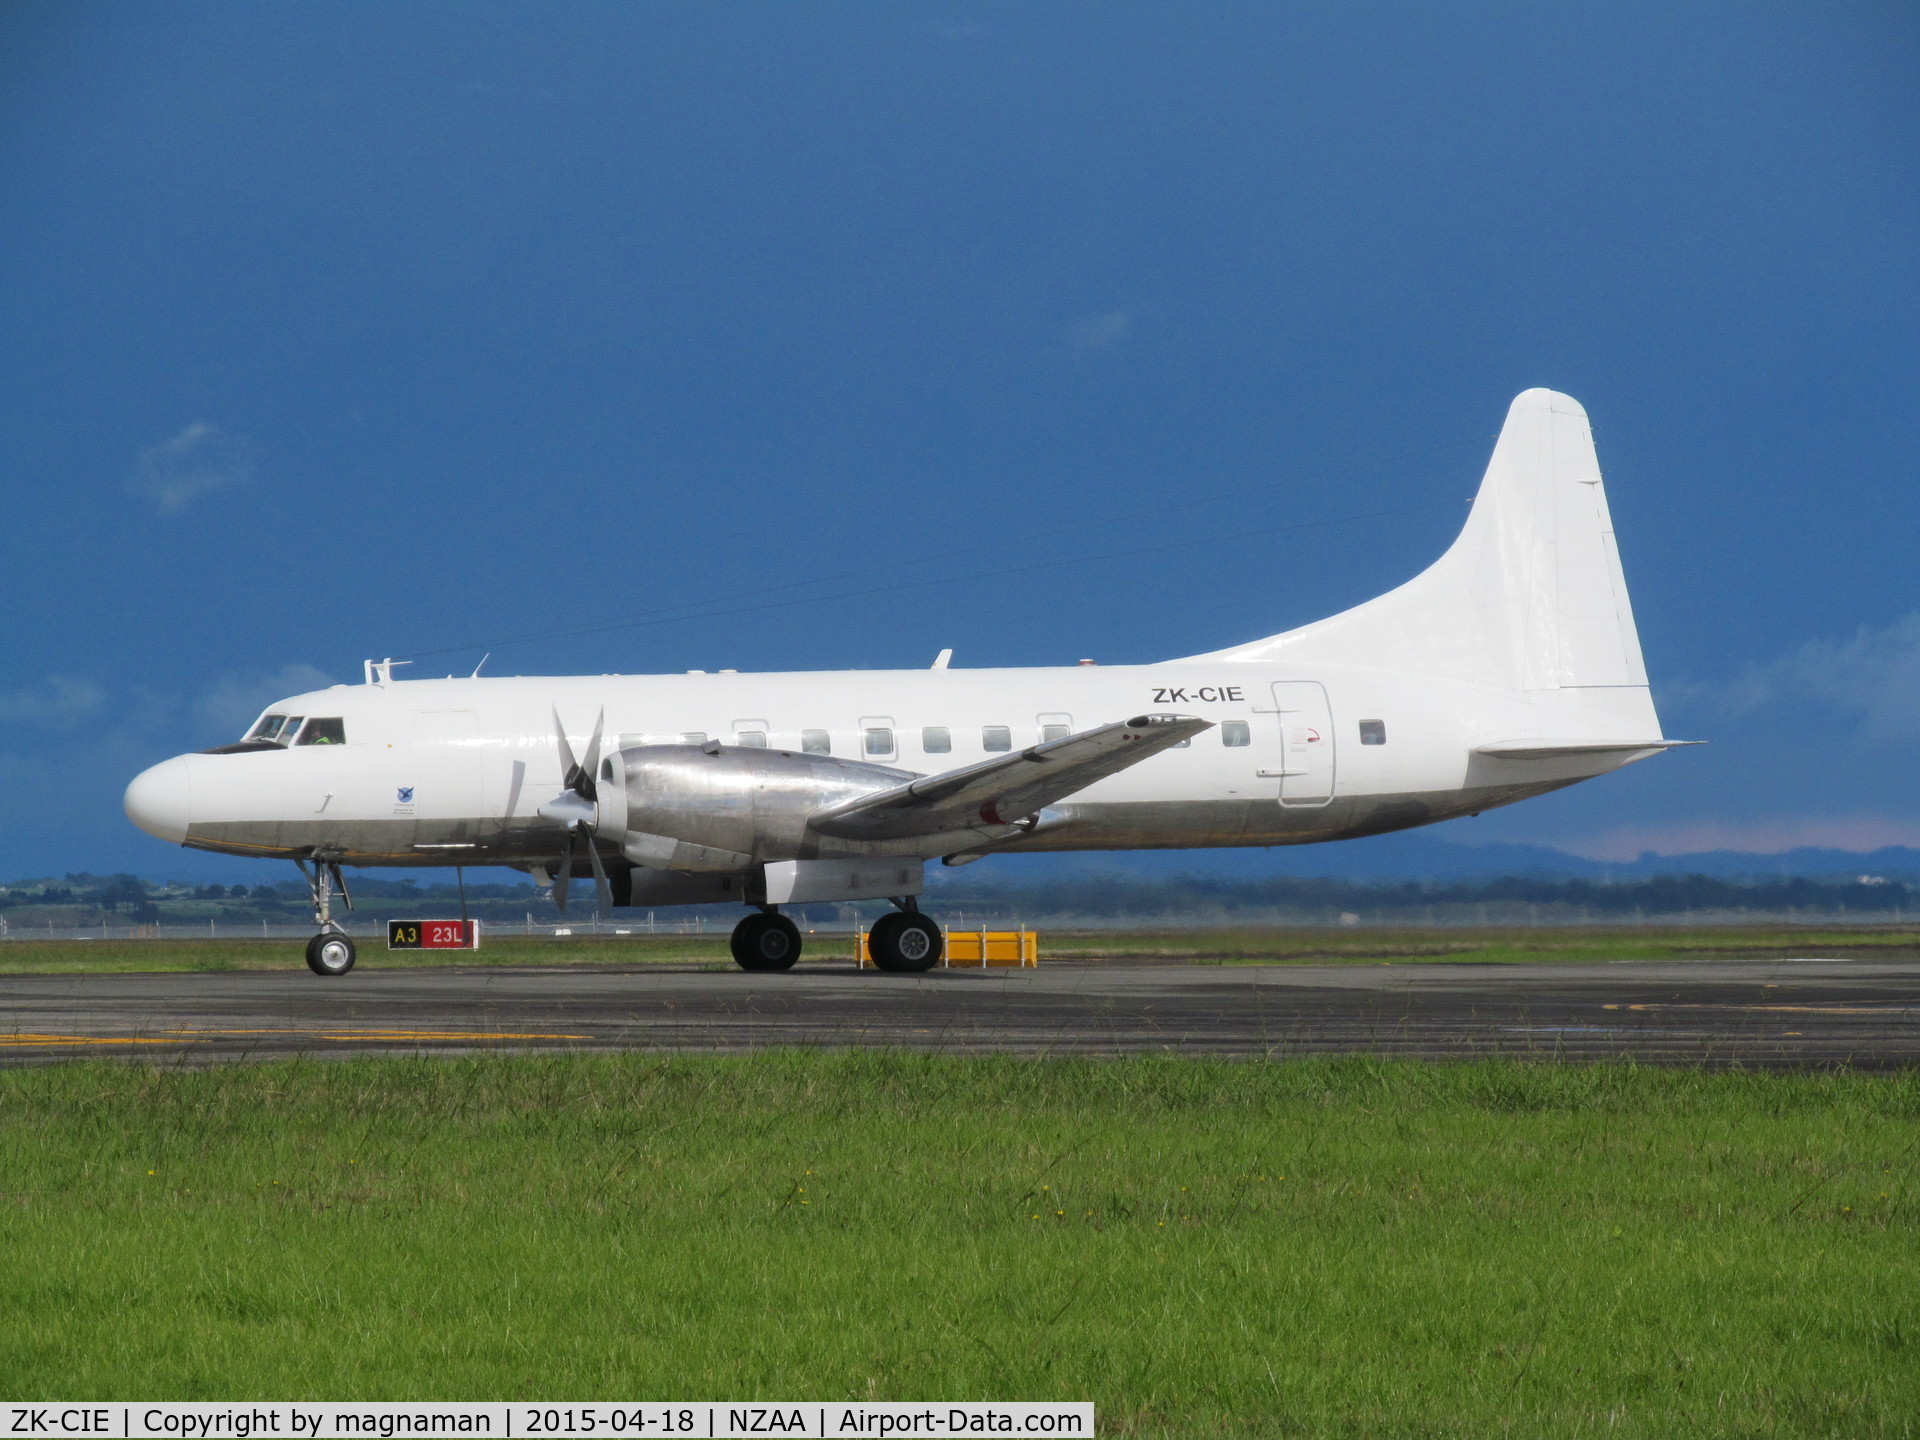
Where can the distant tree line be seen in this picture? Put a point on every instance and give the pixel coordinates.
(124, 895)
(1558, 898)
(1092, 895)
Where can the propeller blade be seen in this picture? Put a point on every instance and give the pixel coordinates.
(562, 873)
(602, 890)
(568, 765)
(590, 766)
(574, 808)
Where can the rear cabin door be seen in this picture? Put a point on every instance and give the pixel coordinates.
(1306, 742)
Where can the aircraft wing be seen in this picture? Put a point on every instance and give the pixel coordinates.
(1007, 789)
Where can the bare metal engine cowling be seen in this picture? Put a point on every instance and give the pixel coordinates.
(724, 808)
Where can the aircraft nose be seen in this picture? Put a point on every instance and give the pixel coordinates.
(158, 800)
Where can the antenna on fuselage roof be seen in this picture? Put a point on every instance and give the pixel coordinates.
(476, 669)
(940, 660)
(380, 672)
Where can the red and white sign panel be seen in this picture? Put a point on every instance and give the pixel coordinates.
(433, 934)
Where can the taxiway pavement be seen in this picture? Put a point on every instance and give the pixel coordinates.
(1773, 1013)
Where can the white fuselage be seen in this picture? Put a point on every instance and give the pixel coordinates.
(1509, 667)
(434, 772)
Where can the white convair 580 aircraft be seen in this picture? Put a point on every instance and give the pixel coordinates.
(1509, 668)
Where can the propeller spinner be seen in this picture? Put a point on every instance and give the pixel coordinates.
(577, 808)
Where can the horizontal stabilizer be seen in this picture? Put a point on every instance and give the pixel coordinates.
(1563, 749)
(1003, 791)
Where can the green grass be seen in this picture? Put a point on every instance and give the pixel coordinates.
(1303, 945)
(101, 957)
(1251, 945)
(1342, 1248)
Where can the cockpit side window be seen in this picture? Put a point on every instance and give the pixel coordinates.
(324, 730)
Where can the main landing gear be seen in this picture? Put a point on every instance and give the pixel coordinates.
(330, 952)
(766, 941)
(903, 940)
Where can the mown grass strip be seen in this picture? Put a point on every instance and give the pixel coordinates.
(108, 957)
(1350, 1247)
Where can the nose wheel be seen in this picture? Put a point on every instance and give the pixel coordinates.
(765, 942)
(330, 952)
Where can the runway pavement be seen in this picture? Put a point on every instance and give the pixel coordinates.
(1772, 1013)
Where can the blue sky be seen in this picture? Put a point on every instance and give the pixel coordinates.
(337, 331)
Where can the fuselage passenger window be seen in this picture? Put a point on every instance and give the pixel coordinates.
(324, 731)
(752, 739)
(1053, 732)
(936, 740)
(816, 742)
(878, 743)
(693, 737)
(996, 737)
(1373, 732)
(1234, 733)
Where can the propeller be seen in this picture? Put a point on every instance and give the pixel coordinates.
(577, 808)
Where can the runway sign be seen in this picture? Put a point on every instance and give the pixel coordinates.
(433, 935)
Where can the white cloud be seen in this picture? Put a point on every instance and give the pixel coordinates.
(1093, 334)
(1772, 836)
(1874, 677)
(235, 700)
(57, 702)
(199, 460)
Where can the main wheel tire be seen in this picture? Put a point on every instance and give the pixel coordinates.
(330, 954)
(766, 942)
(905, 942)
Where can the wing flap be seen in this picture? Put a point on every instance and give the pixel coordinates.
(998, 793)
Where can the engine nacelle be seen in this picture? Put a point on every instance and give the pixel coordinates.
(724, 807)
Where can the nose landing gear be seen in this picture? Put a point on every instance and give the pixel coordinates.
(331, 952)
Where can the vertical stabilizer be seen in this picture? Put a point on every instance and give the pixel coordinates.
(1530, 597)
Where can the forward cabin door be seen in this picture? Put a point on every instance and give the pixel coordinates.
(447, 790)
(1306, 742)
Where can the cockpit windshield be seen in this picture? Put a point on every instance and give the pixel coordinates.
(272, 730)
(297, 730)
(276, 732)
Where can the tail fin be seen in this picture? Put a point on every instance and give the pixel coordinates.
(1530, 597)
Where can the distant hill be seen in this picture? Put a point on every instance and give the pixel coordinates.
(1054, 889)
(1414, 855)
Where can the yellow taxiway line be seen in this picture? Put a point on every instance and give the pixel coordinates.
(23, 1039)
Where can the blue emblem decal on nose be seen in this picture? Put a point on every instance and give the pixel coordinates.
(405, 794)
